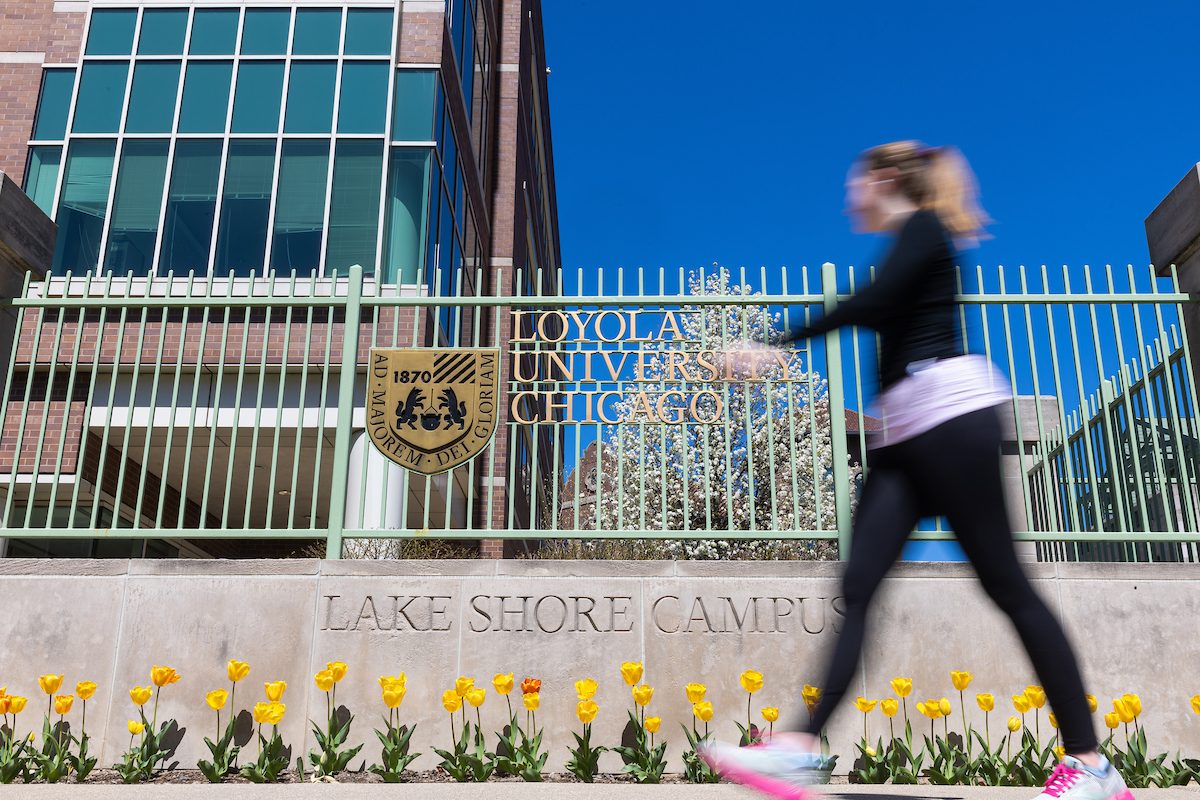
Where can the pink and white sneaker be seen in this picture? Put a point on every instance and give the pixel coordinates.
(1070, 780)
(780, 768)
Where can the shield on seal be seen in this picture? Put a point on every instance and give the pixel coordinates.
(430, 410)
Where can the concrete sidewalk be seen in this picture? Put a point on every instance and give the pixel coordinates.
(524, 791)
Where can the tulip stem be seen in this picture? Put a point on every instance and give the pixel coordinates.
(1037, 725)
(154, 724)
(218, 727)
(966, 734)
(749, 724)
(508, 700)
(892, 729)
(987, 729)
(83, 722)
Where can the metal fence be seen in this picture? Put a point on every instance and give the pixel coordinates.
(220, 412)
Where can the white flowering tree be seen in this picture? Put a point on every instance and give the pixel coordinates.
(766, 463)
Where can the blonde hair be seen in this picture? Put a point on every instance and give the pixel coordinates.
(937, 179)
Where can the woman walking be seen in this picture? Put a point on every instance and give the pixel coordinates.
(938, 454)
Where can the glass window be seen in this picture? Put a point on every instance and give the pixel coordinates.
(300, 206)
(82, 205)
(205, 97)
(407, 212)
(42, 175)
(152, 97)
(214, 32)
(111, 33)
(245, 207)
(136, 205)
(265, 31)
(191, 206)
(310, 97)
(363, 107)
(54, 104)
(413, 105)
(318, 32)
(162, 32)
(369, 32)
(101, 94)
(354, 205)
(256, 102)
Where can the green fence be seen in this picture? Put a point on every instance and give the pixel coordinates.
(218, 412)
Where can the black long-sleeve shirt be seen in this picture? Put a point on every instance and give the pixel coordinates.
(911, 302)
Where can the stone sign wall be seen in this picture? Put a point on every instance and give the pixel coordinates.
(109, 621)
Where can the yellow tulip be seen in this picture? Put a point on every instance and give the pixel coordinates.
(275, 690)
(475, 696)
(1014, 724)
(503, 684)
(930, 708)
(811, 695)
(531, 685)
(386, 681)
(1134, 703)
(3, 691)
(134, 727)
(50, 683)
(324, 680)
(944, 707)
(695, 692)
(16, 703)
(1021, 703)
(236, 670)
(162, 676)
(464, 685)
(1036, 696)
(1092, 704)
(1053, 721)
(451, 700)
(642, 694)
(902, 686)
(752, 681)
(337, 669)
(586, 710)
(5, 704)
(85, 690)
(63, 703)
(275, 712)
(889, 707)
(1196, 704)
(262, 713)
(1059, 752)
(216, 699)
(864, 705)
(140, 695)
(585, 689)
(961, 680)
(393, 695)
(631, 671)
(531, 700)
(870, 751)
(653, 724)
(986, 702)
(1112, 720)
(1124, 710)
(770, 714)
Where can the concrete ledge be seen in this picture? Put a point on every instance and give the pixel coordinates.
(173, 567)
(63, 567)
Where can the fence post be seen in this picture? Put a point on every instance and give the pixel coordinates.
(837, 415)
(345, 412)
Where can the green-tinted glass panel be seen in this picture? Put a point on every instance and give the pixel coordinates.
(354, 205)
(152, 97)
(191, 206)
(265, 31)
(407, 214)
(369, 32)
(101, 94)
(300, 206)
(205, 97)
(363, 107)
(214, 32)
(54, 104)
(245, 207)
(310, 97)
(256, 102)
(82, 205)
(111, 33)
(413, 105)
(42, 176)
(318, 32)
(137, 202)
(162, 32)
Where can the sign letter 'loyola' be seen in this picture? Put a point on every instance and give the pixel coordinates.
(431, 410)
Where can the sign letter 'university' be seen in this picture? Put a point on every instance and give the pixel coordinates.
(431, 410)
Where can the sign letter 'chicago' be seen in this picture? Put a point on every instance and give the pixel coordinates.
(431, 410)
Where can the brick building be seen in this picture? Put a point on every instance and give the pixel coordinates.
(251, 149)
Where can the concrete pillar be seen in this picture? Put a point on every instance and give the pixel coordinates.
(372, 510)
(1020, 432)
(1173, 234)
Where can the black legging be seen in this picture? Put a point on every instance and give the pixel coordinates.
(953, 469)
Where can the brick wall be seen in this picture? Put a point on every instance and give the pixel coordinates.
(421, 38)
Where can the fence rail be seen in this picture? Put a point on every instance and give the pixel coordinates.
(218, 412)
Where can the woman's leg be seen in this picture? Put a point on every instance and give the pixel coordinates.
(963, 476)
(887, 512)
